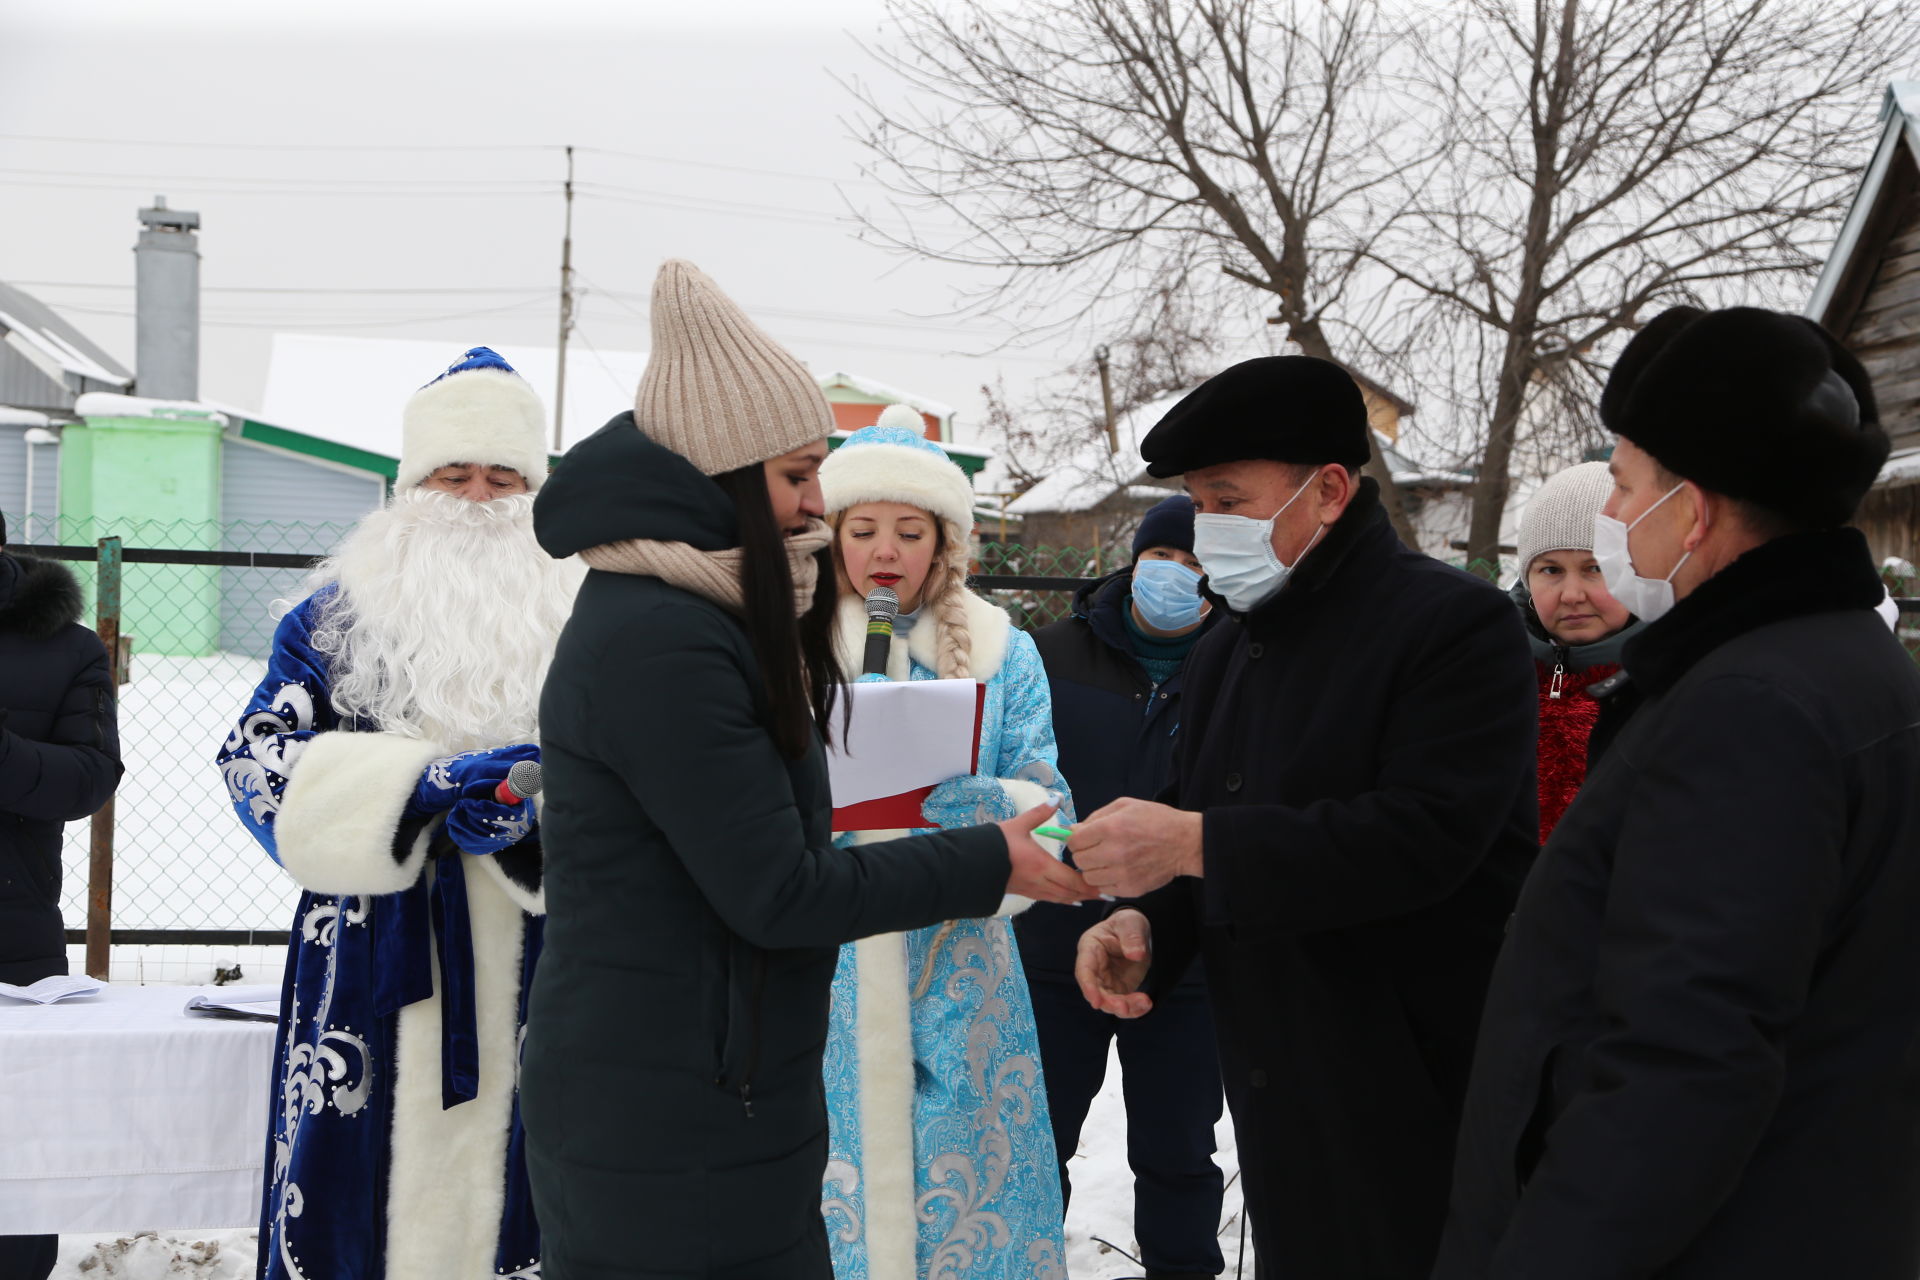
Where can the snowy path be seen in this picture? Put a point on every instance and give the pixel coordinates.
(1102, 1206)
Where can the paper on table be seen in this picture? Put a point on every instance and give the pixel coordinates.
(48, 990)
(902, 736)
(260, 1003)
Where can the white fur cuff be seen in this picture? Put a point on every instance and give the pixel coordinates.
(342, 813)
(1026, 795)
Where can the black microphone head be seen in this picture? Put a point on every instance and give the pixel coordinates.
(523, 779)
(883, 602)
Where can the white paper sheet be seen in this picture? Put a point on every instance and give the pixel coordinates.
(258, 1002)
(48, 990)
(902, 736)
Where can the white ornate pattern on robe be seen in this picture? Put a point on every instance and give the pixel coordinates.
(941, 1148)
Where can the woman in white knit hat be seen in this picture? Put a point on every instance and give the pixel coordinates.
(696, 904)
(942, 1148)
(1576, 627)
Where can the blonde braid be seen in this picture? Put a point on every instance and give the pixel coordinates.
(953, 655)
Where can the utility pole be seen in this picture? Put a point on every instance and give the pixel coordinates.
(566, 310)
(1106, 397)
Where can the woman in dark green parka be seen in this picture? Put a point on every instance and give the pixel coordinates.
(671, 1087)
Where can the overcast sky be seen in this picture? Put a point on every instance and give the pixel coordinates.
(411, 147)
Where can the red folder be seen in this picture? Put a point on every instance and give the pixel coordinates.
(890, 813)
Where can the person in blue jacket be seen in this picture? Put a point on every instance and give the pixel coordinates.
(1115, 667)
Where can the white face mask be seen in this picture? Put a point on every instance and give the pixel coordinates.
(1645, 598)
(1237, 553)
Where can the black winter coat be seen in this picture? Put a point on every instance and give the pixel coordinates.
(1362, 749)
(1116, 734)
(59, 754)
(676, 1125)
(1701, 1051)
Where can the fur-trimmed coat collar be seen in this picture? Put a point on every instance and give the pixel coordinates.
(37, 597)
(987, 628)
(1786, 578)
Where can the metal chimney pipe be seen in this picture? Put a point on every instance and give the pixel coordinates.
(167, 304)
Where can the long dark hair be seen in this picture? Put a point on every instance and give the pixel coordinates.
(796, 655)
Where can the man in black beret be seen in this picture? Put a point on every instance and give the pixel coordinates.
(1701, 1050)
(1351, 816)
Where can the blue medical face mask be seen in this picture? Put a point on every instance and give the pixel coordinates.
(1167, 593)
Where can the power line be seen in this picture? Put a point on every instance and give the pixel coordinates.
(542, 183)
(270, 322)
(284, 146)
(194, 189)
(277, 289)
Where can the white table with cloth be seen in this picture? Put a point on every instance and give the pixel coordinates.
(123, 1112)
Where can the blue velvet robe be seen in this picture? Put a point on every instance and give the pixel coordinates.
(354, 962)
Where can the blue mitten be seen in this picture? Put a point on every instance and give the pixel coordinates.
(481, 825)
(967, 801)
(465, 788)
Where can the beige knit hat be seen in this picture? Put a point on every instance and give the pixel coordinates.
(1559, 517)
(717, 390)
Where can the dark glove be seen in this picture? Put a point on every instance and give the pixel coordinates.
(465, 787)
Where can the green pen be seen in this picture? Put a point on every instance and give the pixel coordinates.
(1053, 833)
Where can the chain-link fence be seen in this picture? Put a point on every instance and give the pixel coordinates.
(196, 618)
(197, 610)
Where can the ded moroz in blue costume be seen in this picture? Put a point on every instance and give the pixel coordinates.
(366, 763)
(942, 1161)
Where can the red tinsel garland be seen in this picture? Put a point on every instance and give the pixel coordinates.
(1565, 724)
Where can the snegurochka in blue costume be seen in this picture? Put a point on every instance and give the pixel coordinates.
(367, 763)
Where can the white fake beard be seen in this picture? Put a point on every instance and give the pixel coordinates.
(445, 619)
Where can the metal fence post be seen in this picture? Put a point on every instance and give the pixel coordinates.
(100, 864)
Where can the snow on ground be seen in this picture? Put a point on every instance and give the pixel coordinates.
(181, 858)
(1102, 1208)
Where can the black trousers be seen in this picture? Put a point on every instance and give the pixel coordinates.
(27, 1257)
(1170, 1077)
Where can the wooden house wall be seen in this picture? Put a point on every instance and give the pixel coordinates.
(1884, 330)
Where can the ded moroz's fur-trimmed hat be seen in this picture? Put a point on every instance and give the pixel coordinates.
(1280, 408)
(479, 411)
(1758, 405)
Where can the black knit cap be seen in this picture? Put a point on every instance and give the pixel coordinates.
(1763, 406)
(1166, 524)
(1281, 408)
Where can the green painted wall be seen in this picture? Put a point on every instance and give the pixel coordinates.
(153, 482)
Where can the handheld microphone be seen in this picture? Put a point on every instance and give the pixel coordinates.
(883, 604)
(521, 783)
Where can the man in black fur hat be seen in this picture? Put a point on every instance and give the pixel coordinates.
(59, 762)
(1698, 1057)
(1351, 816)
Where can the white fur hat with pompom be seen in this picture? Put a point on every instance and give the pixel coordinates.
(893, 461)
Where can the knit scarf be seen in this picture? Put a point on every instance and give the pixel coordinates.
(714, 575)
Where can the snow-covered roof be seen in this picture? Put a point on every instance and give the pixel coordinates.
(889, 394)
(352, 390)
(53, 345)
(1090, 475)
(1902, 469)
(109, 404)
(1900, 127)
(11, 417)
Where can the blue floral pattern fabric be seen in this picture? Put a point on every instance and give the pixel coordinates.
(353, 962)
(987, 1191)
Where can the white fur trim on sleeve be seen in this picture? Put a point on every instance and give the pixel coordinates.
(1027, 795)
(342, 812)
